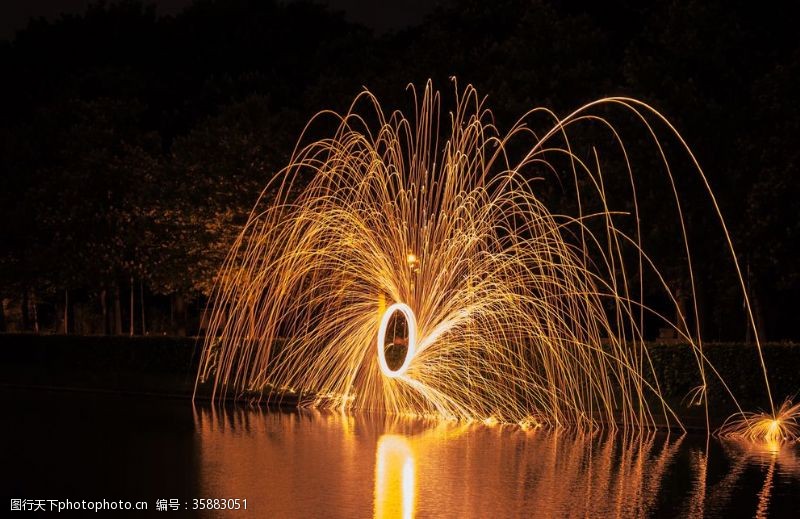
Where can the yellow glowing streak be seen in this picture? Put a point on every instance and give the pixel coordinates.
(774, 431)
(519, 312)
(412, 339)
(765, 427)
(408, 488)
(394, 478)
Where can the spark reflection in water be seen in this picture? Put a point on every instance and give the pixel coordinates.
(307, 463)
(394, 478)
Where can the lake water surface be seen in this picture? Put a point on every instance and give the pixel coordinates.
(315, 464)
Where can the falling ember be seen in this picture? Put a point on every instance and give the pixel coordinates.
(510, 311)
(784, 425)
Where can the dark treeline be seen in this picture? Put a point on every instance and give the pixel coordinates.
(133, 146)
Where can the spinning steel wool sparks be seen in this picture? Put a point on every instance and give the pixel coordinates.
(498, 309)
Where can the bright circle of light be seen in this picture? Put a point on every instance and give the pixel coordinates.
(412, 338)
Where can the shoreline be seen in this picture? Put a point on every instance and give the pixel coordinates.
(166, 367)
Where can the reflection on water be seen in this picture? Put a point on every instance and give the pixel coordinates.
(394, 478)
(773, 456)
(312, 463)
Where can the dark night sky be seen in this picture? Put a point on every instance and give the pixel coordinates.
(380, 16)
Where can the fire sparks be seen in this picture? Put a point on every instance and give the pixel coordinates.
(783, 425)
(512, 311)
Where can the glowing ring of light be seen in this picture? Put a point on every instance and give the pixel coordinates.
(412, 338)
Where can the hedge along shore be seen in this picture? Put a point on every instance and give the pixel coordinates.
(166, 366)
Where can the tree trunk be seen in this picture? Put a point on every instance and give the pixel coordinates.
(2, 316)
(132, 312)
(35, 313)
(24, 311)
(141, 303)
(104, 305)
(180, 314)
(117, 311)
(66, 311)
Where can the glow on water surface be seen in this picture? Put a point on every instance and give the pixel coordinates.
(300, 463)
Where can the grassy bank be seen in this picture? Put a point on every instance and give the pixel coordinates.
(167, 365)
(161, 365)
